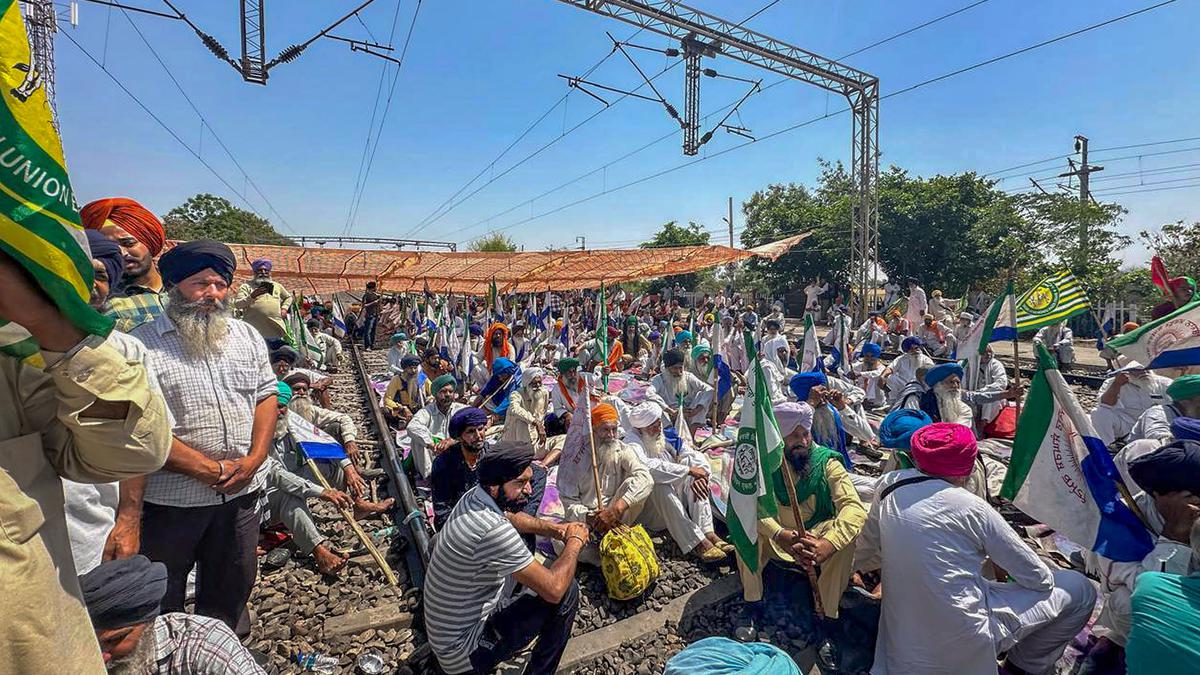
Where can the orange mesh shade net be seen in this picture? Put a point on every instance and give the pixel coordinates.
(325, 270)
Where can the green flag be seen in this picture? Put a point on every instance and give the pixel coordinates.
(756, 458)
(1056, 298)
(39, 223)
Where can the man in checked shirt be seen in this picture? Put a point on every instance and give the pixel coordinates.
(201, 509)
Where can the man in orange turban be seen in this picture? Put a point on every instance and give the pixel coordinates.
(495, 345)
(625, 482)
(140, 235)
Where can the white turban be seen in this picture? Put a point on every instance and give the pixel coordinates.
(644, 414)
(530, 375)
(791, 414)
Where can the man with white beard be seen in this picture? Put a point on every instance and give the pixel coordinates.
(903, 370)
(625, 484)
(679, 501)
(682, 389)
(344, 475)
(1123, 399)
(943, 402)
(202, 509)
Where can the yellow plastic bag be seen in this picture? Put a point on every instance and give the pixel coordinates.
(628, 562)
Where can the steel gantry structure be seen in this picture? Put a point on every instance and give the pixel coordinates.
(703, 35)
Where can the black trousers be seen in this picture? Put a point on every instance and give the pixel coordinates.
(508, 631)
(221, 540)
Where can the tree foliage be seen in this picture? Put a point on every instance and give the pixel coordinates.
(206, 216)
(1178, 244)
(674, 234)
(496, 242)
(957, 233)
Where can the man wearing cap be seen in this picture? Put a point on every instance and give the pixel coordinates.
(472, 619)
(429, 429)
(405, 394)
(399, 346)
(202, 507)
(682, 390)
(1184, 401)
(140, 235)
(930, 538)
(90, 415)
(625, 482)
(903, 370)
(263, 303)
(829, 504)
(564, 395)
(679, 501)
(124, 599)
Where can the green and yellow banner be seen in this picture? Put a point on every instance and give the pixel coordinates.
(39, 219)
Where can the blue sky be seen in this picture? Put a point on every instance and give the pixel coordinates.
(478, 73)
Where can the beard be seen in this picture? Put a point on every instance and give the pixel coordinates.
(799, 458)
(510, 505)
(141, 661)
(824, 426)
(281, 427)
(654, 445)
(202, 324)
(303, 406)
(951, 406)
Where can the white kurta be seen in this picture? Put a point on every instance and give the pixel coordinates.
(1135, 397)
(904, 372)
(428, 426)
(870, 381)
(672, 505)
(918, 306)
(695, 393)
(1155, 423)
(940, 615)
(1060, 342)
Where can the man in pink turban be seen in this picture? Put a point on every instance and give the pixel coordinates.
(941, 612)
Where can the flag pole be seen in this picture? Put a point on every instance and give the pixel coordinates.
(348, 516)
(592, 446)
(1012, 310)
(790, 483)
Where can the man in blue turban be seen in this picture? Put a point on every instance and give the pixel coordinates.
(903, 370)
(943, 401)
(895, 433)
(834, 419)
(868, 373)
(505, 379)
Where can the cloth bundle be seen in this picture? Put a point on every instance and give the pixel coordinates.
(628, 562)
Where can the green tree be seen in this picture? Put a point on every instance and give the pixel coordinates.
(1178, 244)
(674, 234)
(1061, 223)
(496, 242)
(784, 210)
(206, 216)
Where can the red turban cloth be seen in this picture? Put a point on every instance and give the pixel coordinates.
(944, 449)
(603, 412)
(127, 215)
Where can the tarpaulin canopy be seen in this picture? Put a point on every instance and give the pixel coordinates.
(327, 270)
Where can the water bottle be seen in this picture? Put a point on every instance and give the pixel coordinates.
(317, 663)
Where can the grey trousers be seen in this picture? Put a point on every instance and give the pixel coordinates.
(293, 512)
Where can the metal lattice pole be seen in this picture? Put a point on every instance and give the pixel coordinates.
(691, 98)
(864, 169)
(253, 42)
(42, 24)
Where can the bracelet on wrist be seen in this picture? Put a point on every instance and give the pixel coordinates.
(582, 541)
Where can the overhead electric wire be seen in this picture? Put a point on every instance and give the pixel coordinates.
(1055, 173)
(431, 219)
(383, 119)
(674, 132)
(1062, 157)
(205, 122)
(160, 122)
(362, 160)
(905, 90)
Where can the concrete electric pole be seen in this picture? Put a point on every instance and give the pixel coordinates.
(1082, 171)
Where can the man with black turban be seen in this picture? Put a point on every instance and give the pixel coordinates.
(124, 597)
(202, 508)
(479, 554)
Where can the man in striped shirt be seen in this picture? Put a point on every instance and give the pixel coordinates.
(471, 616)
